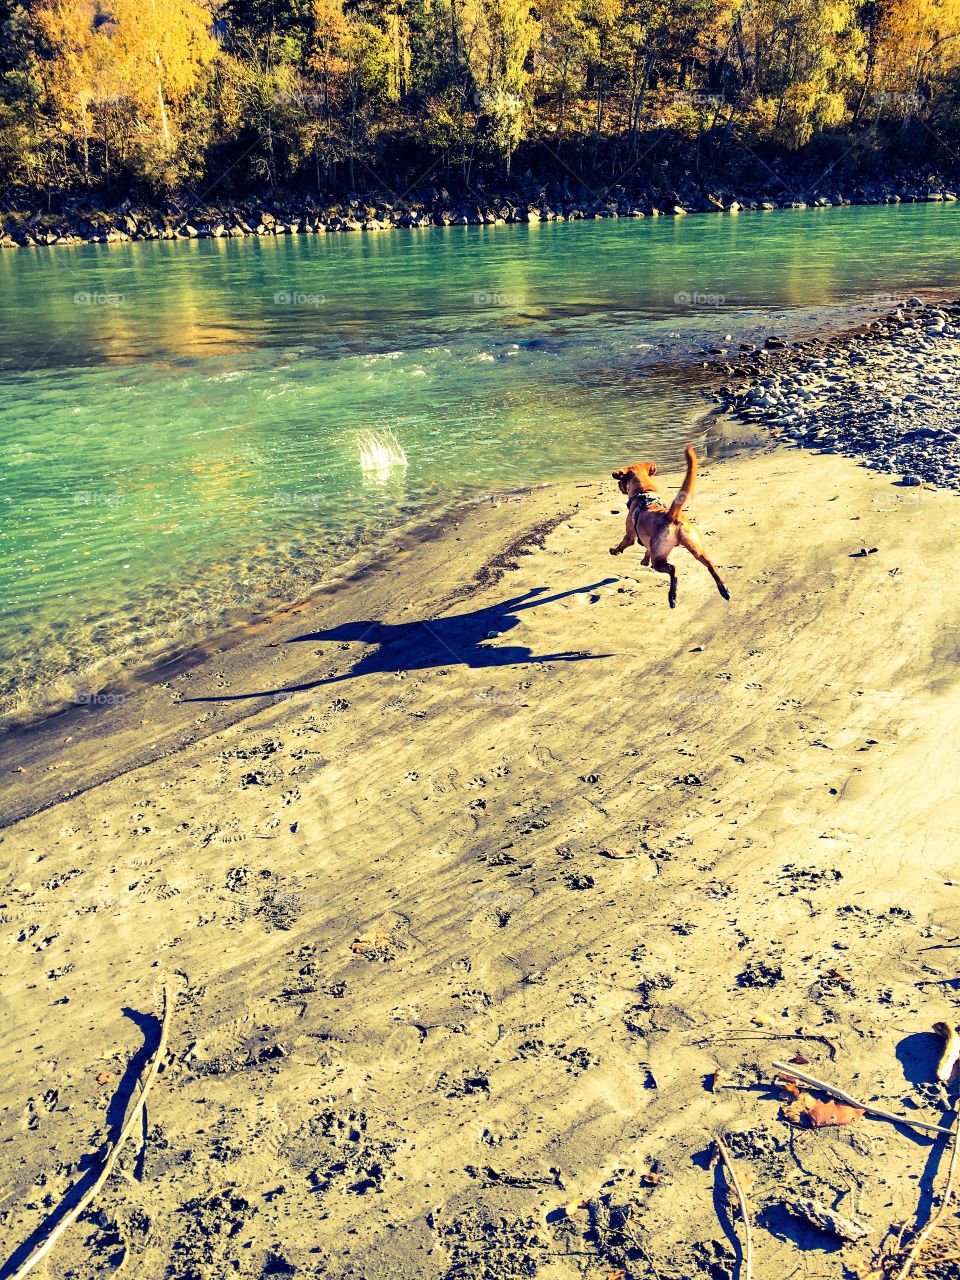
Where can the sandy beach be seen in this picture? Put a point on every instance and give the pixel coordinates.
(488, 889)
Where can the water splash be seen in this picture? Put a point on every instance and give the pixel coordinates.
(381, 454)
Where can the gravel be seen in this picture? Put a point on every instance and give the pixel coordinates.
(888, 395)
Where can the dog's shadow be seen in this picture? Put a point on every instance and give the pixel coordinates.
(460, 639)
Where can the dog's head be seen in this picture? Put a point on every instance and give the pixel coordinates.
(631, 479)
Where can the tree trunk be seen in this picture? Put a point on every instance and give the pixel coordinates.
(163, 108)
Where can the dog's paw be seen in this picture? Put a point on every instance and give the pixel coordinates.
(725, 593)
(614, 551)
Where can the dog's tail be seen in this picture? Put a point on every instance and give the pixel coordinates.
(680, 500)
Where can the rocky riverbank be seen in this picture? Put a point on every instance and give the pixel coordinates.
(887, 394)
(80, 222)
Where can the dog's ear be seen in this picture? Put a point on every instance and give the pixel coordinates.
(651, 469)
(618, 475)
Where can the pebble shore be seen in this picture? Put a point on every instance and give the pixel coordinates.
(887, 394)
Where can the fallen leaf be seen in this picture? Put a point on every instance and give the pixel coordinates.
(574, 1207)
(652, 1178)
(746, 1182)
(838, 975)
(714, 1081)
(619, 851)
(950, 1058)
(104, 1077)
(619, 1274)
(805, 1109)
(823, 1114)
(800, 1060)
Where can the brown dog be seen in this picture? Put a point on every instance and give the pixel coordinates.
(661, 528)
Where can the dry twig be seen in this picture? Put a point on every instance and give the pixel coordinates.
(43, 1249)
(731, 1169)
(734, 1035)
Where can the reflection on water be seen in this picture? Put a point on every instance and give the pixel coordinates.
(193, 429)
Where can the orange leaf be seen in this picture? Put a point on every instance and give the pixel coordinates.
(652, 1178)
(619, 1274)
(823, 1114)
(573, 1207)
(714, 1080)
(619, 851)
(800, 1060)
(805, 1109)
(104, 1077)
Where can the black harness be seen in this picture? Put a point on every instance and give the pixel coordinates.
(642, 502)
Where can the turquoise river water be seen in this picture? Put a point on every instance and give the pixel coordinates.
(183, 425)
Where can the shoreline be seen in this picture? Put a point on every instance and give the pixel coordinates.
(95, 223)
(750, 409)
(487, 877)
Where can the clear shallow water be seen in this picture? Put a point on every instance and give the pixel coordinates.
(179, 422)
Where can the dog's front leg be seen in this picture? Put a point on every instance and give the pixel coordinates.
(628, 539)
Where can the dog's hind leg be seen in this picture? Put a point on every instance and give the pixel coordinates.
(695, 547)
(663, 565)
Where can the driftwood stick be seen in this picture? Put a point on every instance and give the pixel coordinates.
(734, 1034)
(731, 1169)
(913, 1253)
(794, 1074)
(109, 1163)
